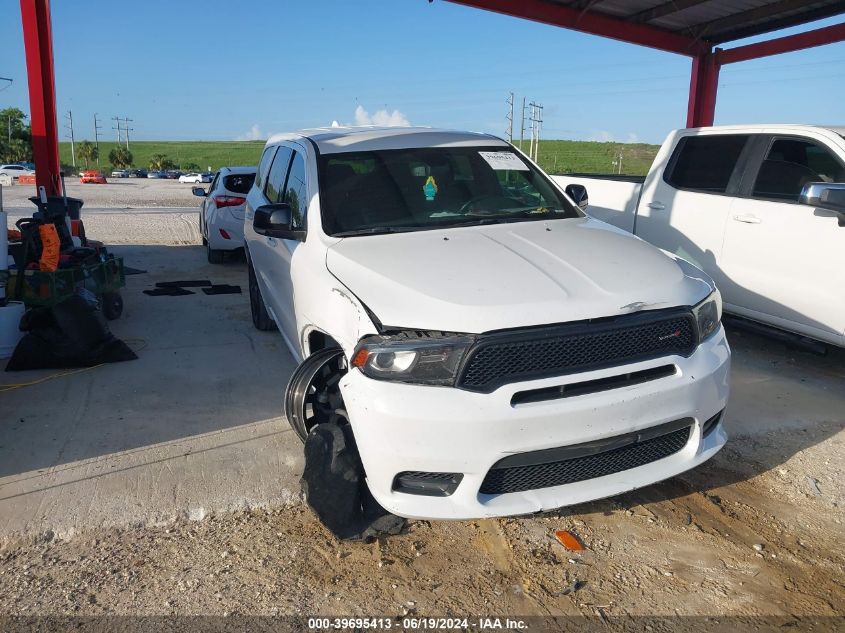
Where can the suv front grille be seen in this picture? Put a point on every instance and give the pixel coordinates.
(501, 358)
(571, 464)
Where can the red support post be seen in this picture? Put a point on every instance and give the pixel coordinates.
(704, 82)
(38, 42)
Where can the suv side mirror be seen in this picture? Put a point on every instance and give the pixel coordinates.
(578, 193)
(825, 195)
(198, 191)
(274, 220)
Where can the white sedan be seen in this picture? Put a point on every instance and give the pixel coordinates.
(222, 211)
(14, 171)
(193, 178)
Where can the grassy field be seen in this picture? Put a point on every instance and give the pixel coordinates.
(556, 157)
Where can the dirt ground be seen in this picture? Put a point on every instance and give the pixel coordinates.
(737, 537)
(119, 193)
(757, 531)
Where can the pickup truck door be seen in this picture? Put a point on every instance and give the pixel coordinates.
(785, 262)
(686, 200)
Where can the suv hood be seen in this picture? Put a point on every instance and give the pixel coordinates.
(483, 278)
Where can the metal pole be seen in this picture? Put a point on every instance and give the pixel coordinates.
(522, 126)
(97, 138)
(126, 129)
(72, 150)
(38, 47)
(510, 119)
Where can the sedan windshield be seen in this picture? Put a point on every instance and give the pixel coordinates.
(389, 191)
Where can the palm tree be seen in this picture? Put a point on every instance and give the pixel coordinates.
(87, 152)
(120, 157)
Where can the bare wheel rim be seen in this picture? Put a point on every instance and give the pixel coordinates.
(313, 395)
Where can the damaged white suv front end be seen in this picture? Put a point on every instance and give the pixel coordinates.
(494, 351)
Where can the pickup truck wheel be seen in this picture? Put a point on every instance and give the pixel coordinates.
(313, 394)
(260, 317)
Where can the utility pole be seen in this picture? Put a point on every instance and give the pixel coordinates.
(539, 125)
(119, 137)
(510, 119)
(532, 130)
(522, 127)
(69, 126)
(126, 129)
(97, 128)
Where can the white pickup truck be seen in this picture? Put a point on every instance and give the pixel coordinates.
(759, 208)
(492, 350)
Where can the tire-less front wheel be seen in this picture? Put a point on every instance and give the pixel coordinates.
(313, 393)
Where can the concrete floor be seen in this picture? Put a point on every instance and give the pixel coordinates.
(194, 425)
(190, 427)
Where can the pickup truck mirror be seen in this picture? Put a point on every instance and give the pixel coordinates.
(198, 191)
(274, 220)
(578, 193)
(825, 195)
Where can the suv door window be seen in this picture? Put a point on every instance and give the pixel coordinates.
(296, 191)
(792, 163)
(264, 166)
(706, 163)
(276, 178)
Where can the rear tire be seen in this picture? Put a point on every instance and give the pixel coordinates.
(215, 256)
(313, 393)
(261, 319)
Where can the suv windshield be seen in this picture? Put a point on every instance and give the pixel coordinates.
(388, 191)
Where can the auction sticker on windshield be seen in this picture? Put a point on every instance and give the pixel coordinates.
(501, 161)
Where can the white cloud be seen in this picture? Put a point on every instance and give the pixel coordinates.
(605, 136)
(382, 118)
(254, 134)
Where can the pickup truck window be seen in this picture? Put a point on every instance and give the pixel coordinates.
(705, 163)
(296, 192)
(792, 163)
(390, 191)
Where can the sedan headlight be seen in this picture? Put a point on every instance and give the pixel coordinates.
(708, 315)
(430, 360)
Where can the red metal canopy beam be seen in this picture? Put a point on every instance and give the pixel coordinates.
(38, 42)
(593, 23)
(788, 44)
(704, 82)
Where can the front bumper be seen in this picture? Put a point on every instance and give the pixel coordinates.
(401, 427)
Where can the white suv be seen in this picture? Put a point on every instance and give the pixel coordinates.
(493, 350)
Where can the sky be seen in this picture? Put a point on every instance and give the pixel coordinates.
(223, 70)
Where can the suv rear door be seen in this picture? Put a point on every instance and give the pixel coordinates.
(684, 206)
(784, 261)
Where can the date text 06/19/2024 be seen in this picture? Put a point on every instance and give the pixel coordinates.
(418, 623)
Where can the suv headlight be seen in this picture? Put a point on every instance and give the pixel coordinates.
(708, 315)
(426, 360)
